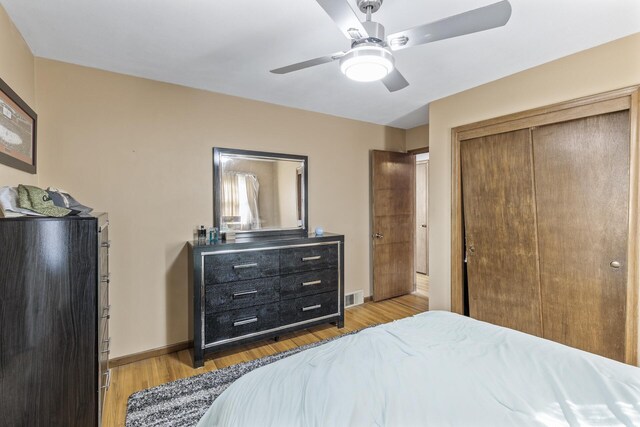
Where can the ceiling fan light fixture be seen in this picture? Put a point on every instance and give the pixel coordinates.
(367, 63)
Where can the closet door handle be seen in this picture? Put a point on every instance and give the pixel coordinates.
(615, 264)
(241, 266)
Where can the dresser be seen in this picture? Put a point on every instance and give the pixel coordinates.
(260, 288)
(54, 320)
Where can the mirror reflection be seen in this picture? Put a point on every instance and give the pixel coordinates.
(260, 193)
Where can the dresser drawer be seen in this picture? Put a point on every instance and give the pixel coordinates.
(306, 308)
(293, 260)
(308, 283)
(240, 266)
(235, 323)
(234, 295)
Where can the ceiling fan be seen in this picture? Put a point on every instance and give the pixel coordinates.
(371, 55)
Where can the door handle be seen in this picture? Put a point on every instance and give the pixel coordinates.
(424, 226)
(378, 236)
(615, 264)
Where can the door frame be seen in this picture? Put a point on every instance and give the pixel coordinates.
(608, 102)
(415, 152)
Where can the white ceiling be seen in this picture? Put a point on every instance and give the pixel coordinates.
(229, 46)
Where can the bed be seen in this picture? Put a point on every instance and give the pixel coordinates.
(436, 369)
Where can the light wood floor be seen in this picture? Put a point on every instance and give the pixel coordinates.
(151, 372)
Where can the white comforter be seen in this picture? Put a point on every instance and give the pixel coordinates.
(434, 369)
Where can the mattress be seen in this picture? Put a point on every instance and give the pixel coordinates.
(434, 369)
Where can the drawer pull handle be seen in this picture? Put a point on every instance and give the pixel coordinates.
(244, 294)
(245, 322)
(107, 343)
(315, 282)
(312, 258)
(241, 266)
(312, 307)
(108, 381)
(105, 312)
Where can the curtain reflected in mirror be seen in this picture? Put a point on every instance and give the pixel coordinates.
(261, 193)
(240, 193)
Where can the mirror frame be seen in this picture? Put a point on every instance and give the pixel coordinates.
(217, 180)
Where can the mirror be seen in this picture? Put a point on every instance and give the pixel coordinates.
(260, 193)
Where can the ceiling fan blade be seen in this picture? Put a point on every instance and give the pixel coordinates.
(309, 63)
(344, 17)
(481, 19)
(395, 81)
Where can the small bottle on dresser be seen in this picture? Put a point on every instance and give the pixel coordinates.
(202, 235)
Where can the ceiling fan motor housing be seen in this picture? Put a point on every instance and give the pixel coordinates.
(374, 5)
(375, 31)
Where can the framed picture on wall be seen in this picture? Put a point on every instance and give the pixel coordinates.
(18, 123)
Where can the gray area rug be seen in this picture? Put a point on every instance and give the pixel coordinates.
(183, 402)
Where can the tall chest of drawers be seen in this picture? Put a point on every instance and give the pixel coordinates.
(54, 312)
(261, 288)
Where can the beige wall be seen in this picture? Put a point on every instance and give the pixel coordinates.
(607, 67)
(418, 137)
(17, 70)
(141, 150)
(287, 173)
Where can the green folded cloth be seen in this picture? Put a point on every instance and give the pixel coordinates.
(37, 200)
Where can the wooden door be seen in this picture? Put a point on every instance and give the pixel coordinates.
(500, 226)
(393, 223)
(582, 190)
(422, 217)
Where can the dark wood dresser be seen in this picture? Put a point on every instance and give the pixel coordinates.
(54, 312)
(260, 288)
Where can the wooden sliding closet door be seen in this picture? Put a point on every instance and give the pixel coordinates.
(582, 191)
(500, 230)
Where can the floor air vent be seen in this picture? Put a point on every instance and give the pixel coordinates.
(354, 298)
